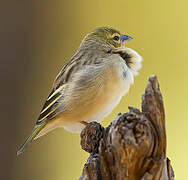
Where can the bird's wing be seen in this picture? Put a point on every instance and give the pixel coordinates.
(52, 106)
(71, 66)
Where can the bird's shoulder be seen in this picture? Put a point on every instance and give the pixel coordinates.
(79, 61)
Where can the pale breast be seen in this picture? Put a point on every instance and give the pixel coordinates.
(116, 87)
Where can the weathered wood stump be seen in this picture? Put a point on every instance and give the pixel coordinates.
(133, 147)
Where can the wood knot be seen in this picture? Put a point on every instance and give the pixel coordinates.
(91, 136)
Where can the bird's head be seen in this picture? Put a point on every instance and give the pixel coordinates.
(107, 36)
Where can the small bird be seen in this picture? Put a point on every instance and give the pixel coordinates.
(90, 85)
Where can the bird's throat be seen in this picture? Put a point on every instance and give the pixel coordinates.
(126, 56)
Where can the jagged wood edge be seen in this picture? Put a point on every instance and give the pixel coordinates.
(97, 166)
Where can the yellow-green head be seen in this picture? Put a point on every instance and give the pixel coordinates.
(108, 36)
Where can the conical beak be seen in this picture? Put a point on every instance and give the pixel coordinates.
(124, 38)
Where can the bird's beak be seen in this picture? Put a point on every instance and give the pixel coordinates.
(124, 38)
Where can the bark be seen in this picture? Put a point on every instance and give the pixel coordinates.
(133, 146)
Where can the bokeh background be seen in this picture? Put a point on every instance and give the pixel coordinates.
(36, 40)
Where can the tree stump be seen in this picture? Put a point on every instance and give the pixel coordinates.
(133, 146)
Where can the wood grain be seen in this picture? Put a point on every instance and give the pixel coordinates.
(133, 146)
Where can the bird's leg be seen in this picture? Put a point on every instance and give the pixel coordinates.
(84, 123)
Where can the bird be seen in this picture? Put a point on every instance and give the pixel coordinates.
(90, 85)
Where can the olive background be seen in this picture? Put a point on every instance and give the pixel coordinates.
(38, 37)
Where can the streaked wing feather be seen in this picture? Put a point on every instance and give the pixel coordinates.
(50, 108)
(67, 70)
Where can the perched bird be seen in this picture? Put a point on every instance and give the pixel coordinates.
(90, 85)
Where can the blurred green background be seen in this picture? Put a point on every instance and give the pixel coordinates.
(36, 40)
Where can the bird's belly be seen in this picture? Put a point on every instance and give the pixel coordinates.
(102, 105)
(110, 98)
(105, 111)
(96, 107)
(98, 103)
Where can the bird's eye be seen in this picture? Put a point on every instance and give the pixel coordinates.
(116, 38)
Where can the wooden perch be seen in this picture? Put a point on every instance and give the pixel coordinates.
(133, 147)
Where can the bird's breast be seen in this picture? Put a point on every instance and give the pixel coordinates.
(120, 78)
(117, 84)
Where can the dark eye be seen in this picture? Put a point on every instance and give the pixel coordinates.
(116, 38)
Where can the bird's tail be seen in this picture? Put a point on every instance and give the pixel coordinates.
(28, 141)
